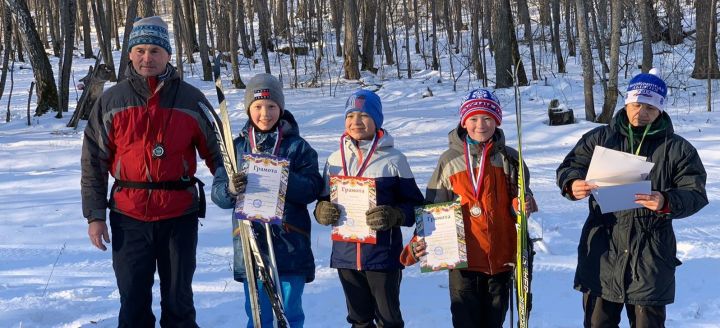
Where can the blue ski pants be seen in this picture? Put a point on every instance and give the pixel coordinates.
(292, 290)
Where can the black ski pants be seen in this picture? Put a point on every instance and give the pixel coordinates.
(372, 296)
(478, 299)
(138, 248)
(600, 313)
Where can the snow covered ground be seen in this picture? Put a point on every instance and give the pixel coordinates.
(50, 275)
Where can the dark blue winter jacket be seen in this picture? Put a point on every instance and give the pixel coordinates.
(395, 186)
(292, 239)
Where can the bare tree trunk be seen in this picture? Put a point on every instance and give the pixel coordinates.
(7, 44)
(85, 22)
(201, 10)
(457, 10)
(103, 32)
(568, 27)
(674, 19)
(544, 9)
(475, 38)
(407, 39)
(435, 52)
(179, 32)
(46, 88)
(282, 24)
(416, 14)
(556, 35)
(611, 94)
(524, 18)
(448, 21)
(189, 27)
(148, 8)
(351, 51)
(319, 53)
(383, 33)
(124, 57)
(369, 8)
(337, 8)
(264, 28)
(488, 23)
(706, 60)
(600, 41)
(503, 48)
(237, 80)
(67, 15)
(587, 59)
(645, 30)
(111, 21)
(52, 6)
(241, 29)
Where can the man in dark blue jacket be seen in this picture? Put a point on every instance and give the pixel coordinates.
(628, 258)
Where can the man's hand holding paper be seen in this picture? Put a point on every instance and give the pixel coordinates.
(619, 181)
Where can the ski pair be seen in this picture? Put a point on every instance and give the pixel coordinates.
(522, 266)
(255, 262)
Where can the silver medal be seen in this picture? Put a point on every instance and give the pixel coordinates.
(475, 210)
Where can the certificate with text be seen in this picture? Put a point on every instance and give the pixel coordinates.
(442, 227)
(264, 196)
(354, 196)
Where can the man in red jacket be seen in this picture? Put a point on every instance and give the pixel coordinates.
(145, 132)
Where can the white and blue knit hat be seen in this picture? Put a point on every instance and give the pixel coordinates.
(647, 88)
(150, 30)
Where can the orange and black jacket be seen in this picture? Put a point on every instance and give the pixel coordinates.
(127, 122)
(491, 237)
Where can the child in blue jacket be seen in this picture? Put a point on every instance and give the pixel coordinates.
(271, 129)
(370, 273)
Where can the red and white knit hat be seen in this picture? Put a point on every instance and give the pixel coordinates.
(480, 101)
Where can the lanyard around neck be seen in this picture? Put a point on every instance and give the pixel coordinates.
(475, 180)
(632, 139)
(362, 163)
(253, 144)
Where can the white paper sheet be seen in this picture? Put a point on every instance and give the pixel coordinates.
(619, 176)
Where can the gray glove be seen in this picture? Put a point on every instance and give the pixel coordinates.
(237, 184)
(384, 217)
(326, 213)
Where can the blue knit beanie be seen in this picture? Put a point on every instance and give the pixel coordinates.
(367, 102)
(648, 89)
(480, 101)
(150, 30)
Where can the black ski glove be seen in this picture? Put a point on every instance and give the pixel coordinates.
(326, 213)
(384, 217)
(237, 184)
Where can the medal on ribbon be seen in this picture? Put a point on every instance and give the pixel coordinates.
(475, 209)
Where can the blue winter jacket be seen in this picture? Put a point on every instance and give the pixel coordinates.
(395, 186)
(291, 240)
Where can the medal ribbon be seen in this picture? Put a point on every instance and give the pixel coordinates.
(632, 139)
(476, 181)
(361, 163)
(253, 145)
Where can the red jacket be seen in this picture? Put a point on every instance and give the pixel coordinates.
(127, 122)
